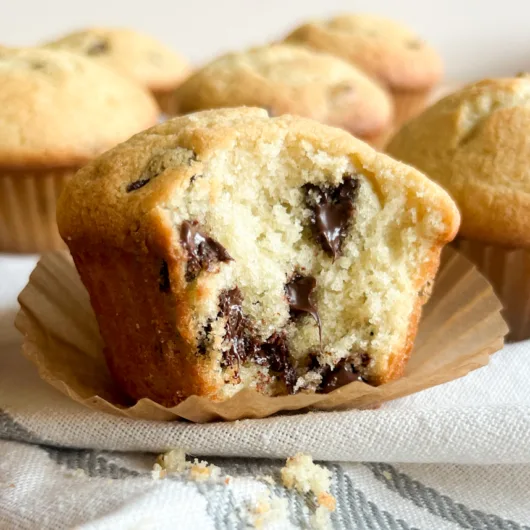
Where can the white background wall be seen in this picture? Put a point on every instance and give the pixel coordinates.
(476, 37)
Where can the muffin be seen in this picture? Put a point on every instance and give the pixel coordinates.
(138, 56)
(57, 112)
(227, 249)
(384, 49)
(291, 79)
(476, 144)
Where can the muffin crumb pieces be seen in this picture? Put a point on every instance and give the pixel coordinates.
(268, 509)
(174, 462)
(303, 475)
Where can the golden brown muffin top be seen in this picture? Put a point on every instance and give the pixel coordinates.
(476, 144)
(58, 108)
(290, 79)
(130, 186)
(136, 55)
(388, 51)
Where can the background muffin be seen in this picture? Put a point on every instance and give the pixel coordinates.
(386, 50)
(136, 55)
(291, 79)
(57, 111)
(476, 144)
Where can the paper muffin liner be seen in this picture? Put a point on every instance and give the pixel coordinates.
(28, 201)
(461, 327)
(508, 271)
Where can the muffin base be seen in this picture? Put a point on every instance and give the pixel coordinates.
(508, 271)
(28, 201)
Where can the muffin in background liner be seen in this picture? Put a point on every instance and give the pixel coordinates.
(61, 130)
(27, 209)
(508, 271)
(475, 144)
(461, 327)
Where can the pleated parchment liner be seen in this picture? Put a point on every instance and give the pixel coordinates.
(460, 328)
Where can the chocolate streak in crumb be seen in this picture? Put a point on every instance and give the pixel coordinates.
(299, 295)
(203, 251)
(333, 211)
(246, 345)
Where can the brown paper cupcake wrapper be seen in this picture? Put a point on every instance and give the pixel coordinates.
(27, 209)
(461, 327)
(508, 271)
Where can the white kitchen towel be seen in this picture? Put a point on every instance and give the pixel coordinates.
(57, 471)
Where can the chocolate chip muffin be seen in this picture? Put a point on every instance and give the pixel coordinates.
(57, 112)
(384, 49)
(138, 56)
(475, 143)
(290, 79)
(226, 250)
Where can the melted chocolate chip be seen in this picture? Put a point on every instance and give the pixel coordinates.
(299, 295)
(333, 211)
(239, 331)
(98, 48)
(276, 352)
(203, 251)
(136, 185)
(163, 281)
(245, 345)
(340, 376)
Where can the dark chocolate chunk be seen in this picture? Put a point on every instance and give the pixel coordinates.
(239, 331)
(136, 185)
(299, 295)
(98, 48)
(245, 345)
(203, 251)
(333, 210)
(346, 371)
(340, 376)
(163, 281)
(276, 351)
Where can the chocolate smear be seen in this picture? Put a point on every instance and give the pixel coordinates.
(203, 251)
(333, 210)
(299, 293)
(164, 283)
(239, 332)
(276, 351)
(343, 374)
(245, 345)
